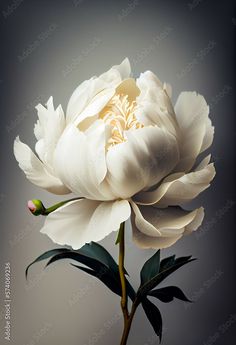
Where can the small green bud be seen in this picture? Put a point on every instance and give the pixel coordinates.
(36, 207)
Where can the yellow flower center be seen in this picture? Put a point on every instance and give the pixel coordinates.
(119, 113)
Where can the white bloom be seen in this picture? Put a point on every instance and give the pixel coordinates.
(127, 151)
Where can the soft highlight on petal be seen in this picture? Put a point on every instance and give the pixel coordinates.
(143, 160)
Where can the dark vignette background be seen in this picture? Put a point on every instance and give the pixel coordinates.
(48, 48)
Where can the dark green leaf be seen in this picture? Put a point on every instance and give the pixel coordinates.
(105, 276)
(150, 268)
(110, 280)
(152, 283)
(96, 251)
(46, 255)
(154, 316)
(167, 294)
(92, 250)
(75, 255)
(96, 258)
(97, 267)
(167, 262)
(183, 259)
(130, 291)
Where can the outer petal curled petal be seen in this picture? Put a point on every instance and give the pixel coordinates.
(179, 188)
(36, 171)
(188, 187)
(195, 126)
(83, 221)
(48, 130)
(172, 223)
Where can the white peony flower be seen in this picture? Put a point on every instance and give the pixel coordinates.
(126, 151)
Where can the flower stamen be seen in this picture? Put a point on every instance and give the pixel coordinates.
(119, 113)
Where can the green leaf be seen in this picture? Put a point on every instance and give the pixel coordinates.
(110, 279)
(105, 277)
(152, 283)
(183, 259)
(44, 256)
(167, 262)
(130, 290)
(154, 316)
(98, 267)
(150, 268)
(167, 294)
(74, 255)
(97, 259)
(98, 252)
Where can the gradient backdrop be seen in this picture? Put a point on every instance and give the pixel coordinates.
(48, 48)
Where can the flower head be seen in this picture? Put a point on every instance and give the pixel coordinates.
(125, 150)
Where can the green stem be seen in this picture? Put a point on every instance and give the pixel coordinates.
(50, 209)
(128, 322)
(122, 270)
(128, 318)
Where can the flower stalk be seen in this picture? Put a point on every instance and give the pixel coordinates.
(128, 317)
(37, 208)
(128, 322)
(122, 270)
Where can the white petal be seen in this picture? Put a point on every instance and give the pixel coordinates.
(172, 223)
(154, 106)
(86, 91)
(195, 126)
(38, 131)
(146, 242)
(179, 188)
(53, 131)
(203, 163)
(35, 170)
(153, 196)
(188, 187)
(128, 87)
(143, 160)
(117, 73)
(94, 107)
(48, 130)
(141, 223)
(124, 68)
(209, 134)
(80, 161)
(168, 89)
(98, 103)
(83, 221)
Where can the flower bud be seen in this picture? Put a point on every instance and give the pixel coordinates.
(36, 207)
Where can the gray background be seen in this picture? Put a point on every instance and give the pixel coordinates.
(48, 48)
